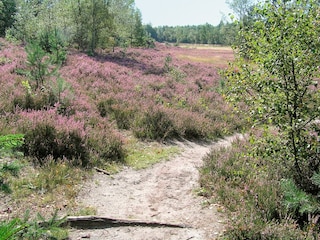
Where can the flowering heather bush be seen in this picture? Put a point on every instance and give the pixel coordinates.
(47, 133)
(44, 141)
(10, 82)
(35, 101)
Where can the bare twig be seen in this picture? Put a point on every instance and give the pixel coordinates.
(102, 171)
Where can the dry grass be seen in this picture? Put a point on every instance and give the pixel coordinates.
(45, 190)
(217, 60)
(218, 56)
(205, 46)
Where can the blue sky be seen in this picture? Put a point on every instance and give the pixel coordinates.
(182, 12)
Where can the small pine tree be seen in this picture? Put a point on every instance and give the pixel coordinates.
(38, 63)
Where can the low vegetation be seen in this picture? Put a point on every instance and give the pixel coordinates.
(142, 155)
(64, 112)
(262, 203)
(103, 111)
(39, 228)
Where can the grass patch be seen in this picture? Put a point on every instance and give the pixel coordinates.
(205, 46)
(144, 154)
(216, 60)
(27, 228)
(47, 188)
(218, 56)
(110, 167)
(10, 145)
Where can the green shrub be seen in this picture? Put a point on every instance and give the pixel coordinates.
(51, 42)
(6, 170)
(298, 204)
(286, 230)
(124, 116)
(38, 101)
(107, 146)
(122, 113)
(154, 124)
(9, 229)
(192, 125)
(260, 205)
(41, 228)
(105, 107)
(176, 74)
(38, 64)
(11, 142)
(45, 140)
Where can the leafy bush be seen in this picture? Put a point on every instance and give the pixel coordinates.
(260, 205)
(122, 113)
(38, 100)
(277, 78)
(7, 169)
(155, 124)
(11, 142)
(106, 145)
(45, 140)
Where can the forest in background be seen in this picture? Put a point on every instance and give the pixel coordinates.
(222, 34)
(89, 25)
(85, 24)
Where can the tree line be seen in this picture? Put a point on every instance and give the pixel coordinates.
(85, 24)
(92, 24)
(223, 33)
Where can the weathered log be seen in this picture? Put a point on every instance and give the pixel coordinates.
(98, 222)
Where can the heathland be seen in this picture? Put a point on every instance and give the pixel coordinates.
(106, 111)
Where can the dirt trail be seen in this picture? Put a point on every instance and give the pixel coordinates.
(164, 193)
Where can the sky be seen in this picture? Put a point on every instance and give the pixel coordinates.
(182, 12)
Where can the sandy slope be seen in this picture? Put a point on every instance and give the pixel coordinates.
(165, 193)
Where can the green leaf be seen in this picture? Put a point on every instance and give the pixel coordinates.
(8, 230)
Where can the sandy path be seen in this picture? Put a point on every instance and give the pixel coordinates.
(165, 193)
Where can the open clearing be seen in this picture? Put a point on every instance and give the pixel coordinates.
(219, 56)
(165, 193)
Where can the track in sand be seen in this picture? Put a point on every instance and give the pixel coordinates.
(164, 193)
